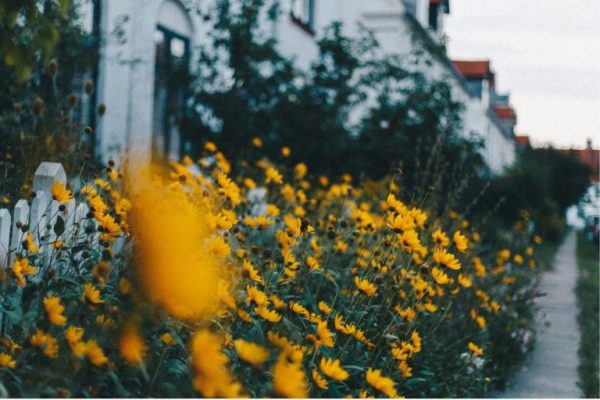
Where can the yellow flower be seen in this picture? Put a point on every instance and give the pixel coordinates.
(313, 263)
(131, 345)
(260, 221)
(251, 352)
(20, 269)
(210, 147)
(277, 302)
(464, 280)
(405, 369)
(406, 313)
(92, 294)
(324, 336)
(46, 342)
(365, 286)
(289, 379)
(229, 189)
(55, 310)
(440, 238)
(272, 210)
(10, 344)
(244, 316)
(416, 341)
(537, 239)
(29, 244)
(256, 295)
(6, 360)
(478, 351)
(167, 339)
(400, 222)
(179, 260)
(267, 315)
(299, 309)
(218, 248)
(95, 353)
(272, 175)
(212, 376)
(409, 240)
(381, 383)
(256, 142)
(319, 380)
(518, 259)
(460, 241)
(285, 151)
(333, 370)
(300, 170)
(73, 334)
(60, 193)
(439, 276)
(446, 259)
(101, 271)
(324, 308)
(224, 295)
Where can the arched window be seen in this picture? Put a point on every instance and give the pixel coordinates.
(171, 77)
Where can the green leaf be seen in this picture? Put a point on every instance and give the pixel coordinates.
(412, 382)
(59, 226)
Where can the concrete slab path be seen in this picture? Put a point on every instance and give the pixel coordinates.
(551, 370)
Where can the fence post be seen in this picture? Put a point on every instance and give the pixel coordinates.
(4, 237)
(46, 174)
(21, 215)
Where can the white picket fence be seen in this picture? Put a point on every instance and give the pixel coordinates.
(40, 216)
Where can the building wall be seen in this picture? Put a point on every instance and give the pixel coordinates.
(126, 81)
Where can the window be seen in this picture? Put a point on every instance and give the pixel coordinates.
(303, 13)
(434, 6)
(171, 75)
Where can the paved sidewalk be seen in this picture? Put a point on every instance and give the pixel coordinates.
(551, 370)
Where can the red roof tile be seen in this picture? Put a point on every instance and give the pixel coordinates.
(522, 140)
(473, 69)
(505, 112)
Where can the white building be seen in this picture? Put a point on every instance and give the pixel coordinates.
(154, 36)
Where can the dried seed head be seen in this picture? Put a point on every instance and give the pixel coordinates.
(89, 87)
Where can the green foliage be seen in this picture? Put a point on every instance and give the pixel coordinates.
(42, 117)
(543, 181)
(29, 32)
(589, 310)
(355, 104)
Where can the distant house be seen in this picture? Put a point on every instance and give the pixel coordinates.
(158, 39)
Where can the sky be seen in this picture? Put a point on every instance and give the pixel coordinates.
(546, 53)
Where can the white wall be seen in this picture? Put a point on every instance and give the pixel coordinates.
(127, 69)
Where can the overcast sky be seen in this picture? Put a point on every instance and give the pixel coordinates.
(546, 53)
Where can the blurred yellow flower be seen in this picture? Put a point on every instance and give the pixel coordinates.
(478, 351)
(460, 241)
(6, 360)
(319, 380)
(289, 379)
(55, 310)
(381, 383)
(252, 353)
(212, 377)
(167, 339)
(131, 344)
(333, 370)
(95, 354)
